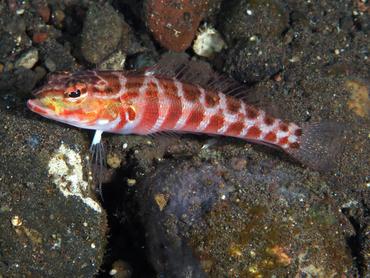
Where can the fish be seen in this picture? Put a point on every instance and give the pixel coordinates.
(177, 95)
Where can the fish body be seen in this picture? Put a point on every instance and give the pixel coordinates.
(157, 100)
(111, 101)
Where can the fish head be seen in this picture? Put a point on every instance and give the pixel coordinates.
(76, 99)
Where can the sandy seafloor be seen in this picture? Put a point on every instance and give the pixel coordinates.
(186, 206)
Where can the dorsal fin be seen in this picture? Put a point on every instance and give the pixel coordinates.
(180, 66)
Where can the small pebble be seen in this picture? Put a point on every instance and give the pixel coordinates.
(50, 65)
(208, 42)
(20, 11)
(161, 200)
(28, 59)
(16, 221)
(58, 16)
(121, 269)
(113, 160)
(131, 182)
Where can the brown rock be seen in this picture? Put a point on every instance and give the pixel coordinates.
(174, 22)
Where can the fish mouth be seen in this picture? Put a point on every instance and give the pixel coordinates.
(35, 105)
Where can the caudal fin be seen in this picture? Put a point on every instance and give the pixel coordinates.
(321, 145)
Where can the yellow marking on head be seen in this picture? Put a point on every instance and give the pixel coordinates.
(55, 103)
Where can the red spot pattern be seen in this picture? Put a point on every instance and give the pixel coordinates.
(194, 119)
(252, 112)
(215, 123)
(211, 100)
(191, 93)
(271, 137)
(283, 141)
(234, 129)
(284, 127)
(233, 105)
(168, 86)
(253, 132)
(268, 120)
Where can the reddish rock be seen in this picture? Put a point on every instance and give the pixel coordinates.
(175, 22)
(39, 37)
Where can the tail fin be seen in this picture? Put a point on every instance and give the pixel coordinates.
(321, 145)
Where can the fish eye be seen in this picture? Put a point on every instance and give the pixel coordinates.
(74, 94)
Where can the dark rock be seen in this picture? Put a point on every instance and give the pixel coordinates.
(244, 19)
(251, 61)
(56, 56)
(19, 82)
(167, 224)
(102, 32)
(7, 45)
(262, 220)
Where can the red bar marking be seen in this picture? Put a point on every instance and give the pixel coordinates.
(298, 132)
(194, 119)
(150, 110)
(235, 128)
(169, 87)
(211, 99)
(215, 123)
(253, 132)
(123, 121)
(283, 141)
(173, 114)
(233, 105)
(191, 93)
(175, 108)
(284, 127)
(252, 112)
(268, 120)
(271, 137)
